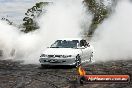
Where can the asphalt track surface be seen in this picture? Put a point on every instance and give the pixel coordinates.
(14, 74)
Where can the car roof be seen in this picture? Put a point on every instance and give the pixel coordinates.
(70, 39)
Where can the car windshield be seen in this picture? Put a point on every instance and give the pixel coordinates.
(65, 44)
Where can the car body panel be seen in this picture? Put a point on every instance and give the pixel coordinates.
(65, 56)
(62, 51)
(57, 61)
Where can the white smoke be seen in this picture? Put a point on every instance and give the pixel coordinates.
(12, 39)
(64, 18)
(8, 35)
(113, 38)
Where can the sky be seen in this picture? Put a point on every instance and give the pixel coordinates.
(14, 10)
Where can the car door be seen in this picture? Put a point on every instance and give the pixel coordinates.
(87, 53)
(85, 50)
(84, 56)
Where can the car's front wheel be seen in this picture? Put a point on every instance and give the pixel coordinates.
(78, 60)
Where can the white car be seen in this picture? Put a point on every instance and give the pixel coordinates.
(68, 51)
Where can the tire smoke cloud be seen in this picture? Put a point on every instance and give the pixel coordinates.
(113, 38)
(63, 18)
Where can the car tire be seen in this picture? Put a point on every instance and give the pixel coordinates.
(78, 60)
(82, 80)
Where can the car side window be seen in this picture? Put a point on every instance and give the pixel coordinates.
(83, 43)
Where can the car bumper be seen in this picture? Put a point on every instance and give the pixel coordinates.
(56, 61)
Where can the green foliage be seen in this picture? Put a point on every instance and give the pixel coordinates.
(30, 23)
(7, 20)
(99, 14)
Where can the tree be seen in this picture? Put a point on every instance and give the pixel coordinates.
(30, 23)
(7, 20)
(99, 11)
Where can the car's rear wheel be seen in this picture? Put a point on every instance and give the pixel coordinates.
(78, 60)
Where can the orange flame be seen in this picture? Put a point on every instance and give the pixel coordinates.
(81, 71)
